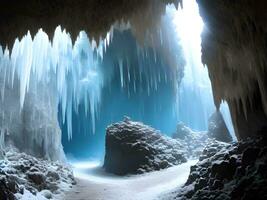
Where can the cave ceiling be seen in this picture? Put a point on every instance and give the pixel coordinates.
(93, 16)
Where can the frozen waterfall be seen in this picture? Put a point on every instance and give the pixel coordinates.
(71, 69)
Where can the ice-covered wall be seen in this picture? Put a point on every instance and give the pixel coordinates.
(139, 82)
(234, 49)
(35, 76)
(39, 74)
(32, 128)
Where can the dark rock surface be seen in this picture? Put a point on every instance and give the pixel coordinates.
(133, 148)
(93, 16)
(218, 129)
(229, 171)
(234, 50)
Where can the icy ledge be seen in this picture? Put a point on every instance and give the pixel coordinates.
(25, 177)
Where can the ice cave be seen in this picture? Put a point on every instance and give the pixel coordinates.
(133, 100)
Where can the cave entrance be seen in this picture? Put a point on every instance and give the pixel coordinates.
(155, 77)
(139, 83)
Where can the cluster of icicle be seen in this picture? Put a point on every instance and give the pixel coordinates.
(72, 68)
(75, 70)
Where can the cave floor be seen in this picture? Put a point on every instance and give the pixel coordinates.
(94, 184)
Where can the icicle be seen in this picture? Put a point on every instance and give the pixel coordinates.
(128, 70)
(121, 72)
(72, 70)
(2, 139)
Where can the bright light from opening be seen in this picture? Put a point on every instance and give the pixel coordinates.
(189, 26)
(188, 21)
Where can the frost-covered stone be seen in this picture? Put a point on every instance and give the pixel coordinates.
(25, 177)
(229, 171)
(132, 148)
(192, 141)
(195, 141)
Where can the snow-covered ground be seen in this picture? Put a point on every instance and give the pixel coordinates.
(94, 184)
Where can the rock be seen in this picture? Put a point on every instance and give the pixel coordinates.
(36, 178)
(12, 186)
(22, 175)
(193, 142)
(218, 129)
(250, 155)
(182, 132)
(217, 184)
(3, 190)
(223, 170)
(54, 175)
(201, 183)
(262, 169)
(132, 148)
(229, 171)
(47, 194)
(7, 188)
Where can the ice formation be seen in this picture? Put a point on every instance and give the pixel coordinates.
(37, 75)
(71, 69)
(42, 74)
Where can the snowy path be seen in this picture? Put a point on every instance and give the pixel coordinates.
(94, 184)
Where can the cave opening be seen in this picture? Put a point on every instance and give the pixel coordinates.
(139, 82)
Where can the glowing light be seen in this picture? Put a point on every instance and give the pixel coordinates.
(188, 22)
(195, 94)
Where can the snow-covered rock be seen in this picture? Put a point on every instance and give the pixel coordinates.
(25, 177)
(195, 141)
(229, 171)
(132, 148)
(192, 141)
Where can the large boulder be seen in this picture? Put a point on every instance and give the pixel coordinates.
(133, 148)
(229, 171)
(218, 129)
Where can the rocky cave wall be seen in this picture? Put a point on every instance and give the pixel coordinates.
(234, 47)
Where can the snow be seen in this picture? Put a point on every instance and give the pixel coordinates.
(32, 178)
(93, 183)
